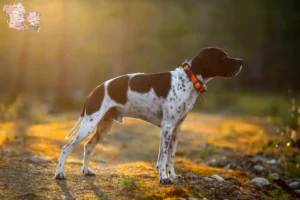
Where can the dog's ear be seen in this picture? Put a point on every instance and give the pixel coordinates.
(208, 61)
(210, 57)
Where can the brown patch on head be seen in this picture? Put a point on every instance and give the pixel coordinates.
(94, 100)
(160, 82)
(212, 62)
(117, 89)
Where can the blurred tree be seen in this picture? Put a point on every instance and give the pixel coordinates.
(22, 67)
(63, 93)
(83, 43)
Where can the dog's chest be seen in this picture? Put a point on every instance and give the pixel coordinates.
(181, 98)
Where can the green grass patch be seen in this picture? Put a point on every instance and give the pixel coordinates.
(131, 184)
(293, 169)
(209, 151)
(278, 195)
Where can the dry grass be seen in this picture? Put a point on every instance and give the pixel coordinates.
(131, 150)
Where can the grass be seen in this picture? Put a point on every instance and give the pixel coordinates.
(208, 151)
(293, 169)
(26, 109)
(244, 103)
(134, 179)
(130, 173)
(130, 184)
(278, 195)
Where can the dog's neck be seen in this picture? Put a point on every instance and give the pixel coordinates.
(184, 75)
(181, 74)
(199, 76)
(204, 80)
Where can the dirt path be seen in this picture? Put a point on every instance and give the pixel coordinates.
(124, 161)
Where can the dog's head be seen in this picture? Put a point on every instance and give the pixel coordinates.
(212, 62)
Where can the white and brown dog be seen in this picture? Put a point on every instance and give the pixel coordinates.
(163, 99)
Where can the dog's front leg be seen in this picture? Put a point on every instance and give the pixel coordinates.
(159, 153)
(166, 134)
(172, 151)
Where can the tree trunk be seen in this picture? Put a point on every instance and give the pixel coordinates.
(62, 88)
(21, 71)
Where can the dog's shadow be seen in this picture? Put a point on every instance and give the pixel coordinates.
(64, 187)
(90, 181)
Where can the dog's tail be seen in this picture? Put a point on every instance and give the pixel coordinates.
(75, 127)
(78, 121)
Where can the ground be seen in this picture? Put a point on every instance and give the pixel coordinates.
(125, 161)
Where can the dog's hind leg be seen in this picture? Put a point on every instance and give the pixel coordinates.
(87, 126)
(103, 128)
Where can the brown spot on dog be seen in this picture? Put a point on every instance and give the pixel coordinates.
(117, 89)
(112, 113)
(94, 100)
(160, 82)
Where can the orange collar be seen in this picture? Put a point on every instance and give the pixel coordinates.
(199, 85)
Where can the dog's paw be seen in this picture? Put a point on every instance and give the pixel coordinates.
(60, 176)
(88, 172)
(166, 181)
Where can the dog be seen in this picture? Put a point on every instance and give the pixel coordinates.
(162, 99)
